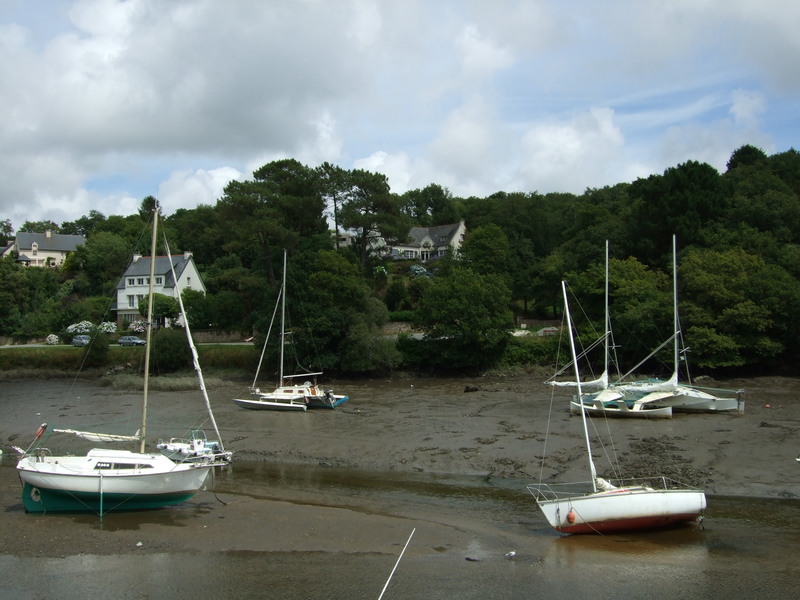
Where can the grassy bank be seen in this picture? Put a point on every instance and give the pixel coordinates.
(124, 362)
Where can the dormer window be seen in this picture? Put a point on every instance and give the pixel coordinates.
(35, 249)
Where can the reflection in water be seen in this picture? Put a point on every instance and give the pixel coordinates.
(744, 551)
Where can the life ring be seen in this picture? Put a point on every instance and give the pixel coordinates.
(36, 495)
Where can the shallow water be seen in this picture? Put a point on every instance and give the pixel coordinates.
(747, 549)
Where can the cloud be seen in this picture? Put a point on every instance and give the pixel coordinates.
(103, 102)
(185, 189)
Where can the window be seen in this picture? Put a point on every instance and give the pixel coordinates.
(130, 301)
(139, 297)
(35, 249)
(140, 281)
(131, 281)
(189, 282)
(159, 280)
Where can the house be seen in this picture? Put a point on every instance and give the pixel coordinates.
(134, 285)
(46, 249)
(427, 243)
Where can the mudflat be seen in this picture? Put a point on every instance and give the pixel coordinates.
(499, 427)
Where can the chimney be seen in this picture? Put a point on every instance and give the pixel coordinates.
(136, 257)
(48, 234)
(187, 254)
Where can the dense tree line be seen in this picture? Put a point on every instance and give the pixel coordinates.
(739, 265)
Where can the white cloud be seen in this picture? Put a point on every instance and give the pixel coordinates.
(104, 101)
(186, 189)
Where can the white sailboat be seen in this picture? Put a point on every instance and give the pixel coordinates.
(289, 394)
(679, 397)
(609, 401)
(105, 479)
(604, 507)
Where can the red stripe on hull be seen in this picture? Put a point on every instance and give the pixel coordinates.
(653, 522)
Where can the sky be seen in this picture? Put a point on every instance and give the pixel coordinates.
(105, 102)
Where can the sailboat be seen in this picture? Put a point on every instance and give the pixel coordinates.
(106, 479)
(607, 507)
(289, 394)
(607, 400)
(679, 397)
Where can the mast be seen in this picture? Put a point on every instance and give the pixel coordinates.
(193, 348)
(675, 302)
(578, 381)
(283, 319)
(149, 326)
(608, 320)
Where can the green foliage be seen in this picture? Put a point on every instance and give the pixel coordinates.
(96, 353)
(396, 293)
(164, 307)
(171, 352)
(401, 316)
(527, 350)
(739, 269)
(466, 320)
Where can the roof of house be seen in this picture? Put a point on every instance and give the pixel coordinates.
(440, 235)
(56, 242)
(141, 268)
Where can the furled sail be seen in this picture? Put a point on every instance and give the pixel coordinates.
(102, 437)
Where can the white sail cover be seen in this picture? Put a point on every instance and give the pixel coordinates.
(600, 383)
(670, 385)
(101, 437)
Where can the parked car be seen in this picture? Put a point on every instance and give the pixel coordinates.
(81, 340)
(130, 340)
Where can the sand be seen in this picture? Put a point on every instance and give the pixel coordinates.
(405, 425)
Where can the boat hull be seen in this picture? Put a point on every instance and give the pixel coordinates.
(103, 481)
(329, 401)
(623, 510)
(265, 404)
(622, 411)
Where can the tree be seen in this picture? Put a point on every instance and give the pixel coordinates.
(164, 307)
(726, 311)
(102, 261)
(6, 231)
(372, 212)
(466, 320)
(333, 184)
(682, 201)
(84, 226)
(487, 250)
(430, 206)
(39, 227)
(281, 206)
(746, 155)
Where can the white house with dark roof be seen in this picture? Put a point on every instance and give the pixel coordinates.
(46, 249)
(427, 243)
(134, 285)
